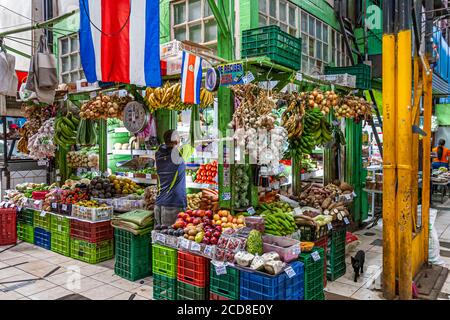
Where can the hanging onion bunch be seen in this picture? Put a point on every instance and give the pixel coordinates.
(325, 101)
(36, 115)
(352, 107)
(104, 107)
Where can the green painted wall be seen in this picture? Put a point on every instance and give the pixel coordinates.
(164, 20)
(321, 9)
(248, 14)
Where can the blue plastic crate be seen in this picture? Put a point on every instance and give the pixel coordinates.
(42, 238)
(259, 286)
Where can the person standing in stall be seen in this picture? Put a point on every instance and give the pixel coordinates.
(443, 156)
(171, 170)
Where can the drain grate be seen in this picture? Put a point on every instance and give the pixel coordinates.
(74, 296)
(377, 242)
(369, 234)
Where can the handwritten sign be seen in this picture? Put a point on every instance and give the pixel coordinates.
(161, 238)
(316, 256)
(251, 211)
(330, 226)
(346, 220)
(195, 246)
(222, 269)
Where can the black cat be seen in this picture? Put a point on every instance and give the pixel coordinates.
(358, 263)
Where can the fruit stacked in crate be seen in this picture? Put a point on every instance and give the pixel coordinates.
(42, 229)
(314, 266)
(164, 268)
(25, 225)
(268, 268)
(8, 233)
(133, 244)
(91, 232)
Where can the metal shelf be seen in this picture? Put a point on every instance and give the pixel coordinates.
(135, 152)
(194, 185)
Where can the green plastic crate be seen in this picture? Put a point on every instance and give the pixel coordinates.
(313, 275)
(186, 291)
(60, 224)
(26, 216)
(363, 73)
(272, 42)
(25, 232)
(164, 288)
(226, 285)
(164, 261)
(132, 255)
(42, 220)
(336, 266)
(60, 243)
(91, 252)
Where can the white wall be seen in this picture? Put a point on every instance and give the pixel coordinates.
(65, 6)
(9, 20)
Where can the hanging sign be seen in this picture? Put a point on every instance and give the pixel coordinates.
(231, 74)
(212, 79)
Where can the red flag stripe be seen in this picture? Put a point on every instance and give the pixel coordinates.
(116, 48)
(190, 79)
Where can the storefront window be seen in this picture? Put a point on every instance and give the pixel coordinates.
(70, 69)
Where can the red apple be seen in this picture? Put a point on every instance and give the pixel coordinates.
(201, 213)
(216, 234)
(189, 212)
(208, 234)
(213, 240)
(206, 239)
(181, 215)
(188, 219)
(219, 228)
(209, 213)
(197, 221)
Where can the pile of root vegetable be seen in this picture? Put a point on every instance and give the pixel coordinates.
(104, 106)
(352, 107)
(325, 200)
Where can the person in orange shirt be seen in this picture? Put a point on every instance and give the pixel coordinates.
(443, 156)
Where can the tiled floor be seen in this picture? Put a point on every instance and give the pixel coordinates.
(98, 282)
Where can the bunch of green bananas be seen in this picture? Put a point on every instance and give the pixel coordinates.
(278, 219)
(65, 130)
(324, 134)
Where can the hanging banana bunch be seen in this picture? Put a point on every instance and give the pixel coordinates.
(169, 97)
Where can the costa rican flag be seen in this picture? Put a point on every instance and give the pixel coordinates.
(191, 78)
(119, 41)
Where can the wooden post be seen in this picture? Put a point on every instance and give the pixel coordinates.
(389, 157)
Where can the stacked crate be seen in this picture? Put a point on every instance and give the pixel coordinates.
(313, 282)
(223, 286)
(25, 225)
(164, 268)
(132, 255)
(323, 243)
(8, 233)
(255, 285)
(320, 239)
(42, 229)
(336, 265)
(192, 276)
(60, 230)
(91, 242)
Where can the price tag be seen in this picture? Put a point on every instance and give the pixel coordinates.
(184, 243)
(208, 251)
(250, 76)
(226, 196)
(93, 94)
(148, 176)
(296, 250)
(290, 272)
(42, 163)
(54, 205)
(36, 203)
(43, 213)
(19, 208)
(298, 76)
(64, 207)
(330, 226)
(130, 174)
(315, 255)
(222, 269)
(59, 228)
(298, 210)
(346, 220)
(195, 246)
(57, 171)
(161, 238)
(251, 211)
(58, 178)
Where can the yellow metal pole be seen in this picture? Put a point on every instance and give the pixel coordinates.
(404, 149)
(415, 144)
(389, 160)
(426, 164)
